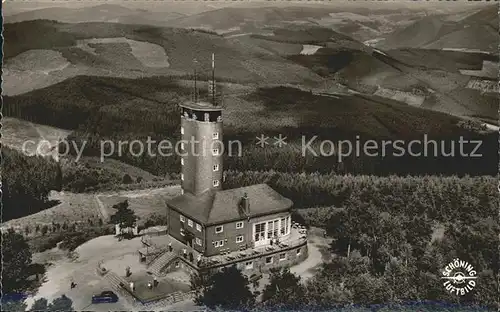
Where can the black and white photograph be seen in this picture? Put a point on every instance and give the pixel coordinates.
(250, 156)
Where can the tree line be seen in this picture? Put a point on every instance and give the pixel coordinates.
(441, 198)
(94, 108)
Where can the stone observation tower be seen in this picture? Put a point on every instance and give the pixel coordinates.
(209, 221)
(201, 147)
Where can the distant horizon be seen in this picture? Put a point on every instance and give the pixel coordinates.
(195, 7)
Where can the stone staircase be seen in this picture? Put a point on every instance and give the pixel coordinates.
(114, 280)
(177, 296)
(161, 262)
(169, 300)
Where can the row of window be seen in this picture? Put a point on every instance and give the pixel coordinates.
(270, 259)
(215, 183)
(220, 228)
(272, 229)
(220, 243)
(190, 222)
(215, 151)
(197, 240)
(206, 117)
(215, 135)
(215, 167)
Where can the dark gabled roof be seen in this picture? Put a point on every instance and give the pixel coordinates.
(215, 207)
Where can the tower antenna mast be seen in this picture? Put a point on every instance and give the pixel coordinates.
(195, 82)
(213, 79)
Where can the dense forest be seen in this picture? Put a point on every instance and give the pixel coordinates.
(28, 180)
(100, 108)
(393, 236)
(26, 183)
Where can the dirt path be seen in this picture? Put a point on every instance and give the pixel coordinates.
(101, 209)
(170, 189)
(316, 243)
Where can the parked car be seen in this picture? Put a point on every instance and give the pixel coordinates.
(105, 296)
(255, 277)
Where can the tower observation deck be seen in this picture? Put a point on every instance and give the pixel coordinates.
(201, 146)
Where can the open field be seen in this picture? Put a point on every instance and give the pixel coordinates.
(489, 70)
(72, 208)
(150, 55)
(120, 168)
(16, 132)
(143, 202)
(80, 208)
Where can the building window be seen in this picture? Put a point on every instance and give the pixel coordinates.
(177, 264)
(260, 231)
(216, 183)
(239, 225)
(182, 130)
(182, 177)
(198, 241)
(269, 260)
(283, 256)
(298, 252)
(215, 135)
(284, 228)
(190, 222)
(182, 146)
(272, 229)
(198, 227)
(216, 167)
(219, 243)
(182, 161)
(181, 217)
(239, 239)
(215, 152)
(183, 233)
(219, 229)
(249, 265)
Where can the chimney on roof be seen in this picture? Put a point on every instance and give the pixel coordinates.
(245, 203)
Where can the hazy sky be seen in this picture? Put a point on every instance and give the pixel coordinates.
(192, 7)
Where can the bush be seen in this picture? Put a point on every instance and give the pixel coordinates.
(77, 177)
(317, 217)
(74, 239)
(127, 179)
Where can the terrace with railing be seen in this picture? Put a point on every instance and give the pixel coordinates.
(158, 246)
(297, 238)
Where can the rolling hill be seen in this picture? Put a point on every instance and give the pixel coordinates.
(128, 51)
(478, 31)
(101, 13)
(426, 78)
(99, 108)
(112, 49)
